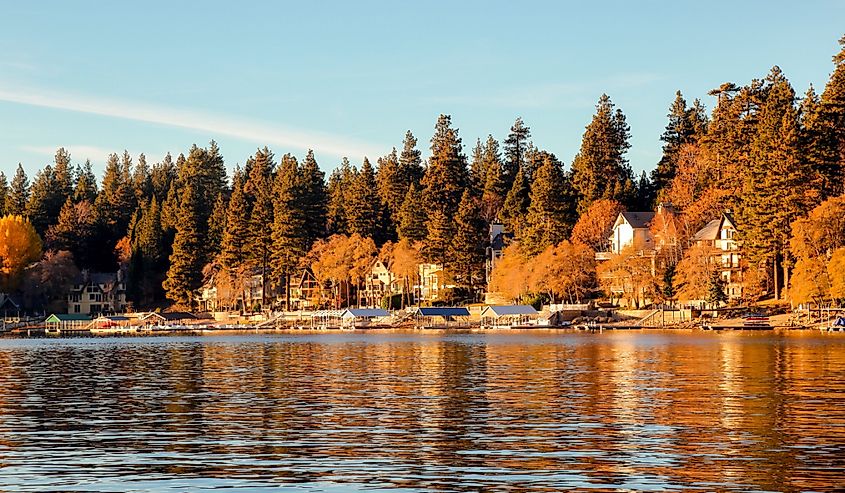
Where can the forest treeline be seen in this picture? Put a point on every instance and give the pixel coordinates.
(764, 152)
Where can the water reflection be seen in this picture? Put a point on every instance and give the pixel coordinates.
(425, 411)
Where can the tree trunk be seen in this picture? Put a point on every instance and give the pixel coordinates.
(775, 277)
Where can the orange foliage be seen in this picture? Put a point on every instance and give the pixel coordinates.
(836, 271)
(511, 275)
(565, 271)
(594, 227)
(809, 281)
(19, 247)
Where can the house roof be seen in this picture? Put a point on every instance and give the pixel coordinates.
(442, 311)
(501, 310)
(68, 317)
(327, 313)
(638, 220)
(169, 316)
(364, 313)
(710, 231)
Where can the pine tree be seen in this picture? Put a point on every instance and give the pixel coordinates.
(4, 192)
(550, 215)
(516, 204)
(338, 191)
(234, 247)
(477, 171)
(412, 218)
(38, 208)
(778, 186)
(468, 246)
(216, 225)
(683, 128)
(184, 276)
(440, 232)
(364, 213)
(290, 237)
(600, 170)
(76, 232)
(85, 188)
(260, 239)
(62, 182)
(410, 162)
(446, 175)
(142, 181)
(115, 202)
(493, 191)
(18, 195)
(516, 146)
(392, 187)
(162, 174)
(313, 200)
(832, 116)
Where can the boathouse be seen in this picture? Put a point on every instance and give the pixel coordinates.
(326, 319)
(506, 316)
(59, 322)
(441, 316)
(363, 317)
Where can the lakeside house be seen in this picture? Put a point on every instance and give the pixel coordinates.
(719, 235)
(97, 292)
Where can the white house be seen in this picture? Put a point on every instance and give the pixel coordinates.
(720, 235)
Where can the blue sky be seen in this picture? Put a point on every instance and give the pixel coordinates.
(349, 78)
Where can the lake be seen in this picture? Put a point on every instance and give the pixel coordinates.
(425, 411)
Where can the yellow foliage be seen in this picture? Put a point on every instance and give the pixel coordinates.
(821, 231)
(694, 272)
(565, 271)
(19, 247)
(511, 275)
(809, 281)
(836, 271)
(628, 275)
(595, 224)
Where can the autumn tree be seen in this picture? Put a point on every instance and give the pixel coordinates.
(511, 275)
(19, 246)
(595, 225)
(404, 265)
(836, 273)
(565, 271)
(695, 272)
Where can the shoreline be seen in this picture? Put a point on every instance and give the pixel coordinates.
(41, 333)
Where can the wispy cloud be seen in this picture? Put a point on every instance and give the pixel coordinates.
(262, 133)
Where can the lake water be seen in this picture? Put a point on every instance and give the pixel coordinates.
(411, 411)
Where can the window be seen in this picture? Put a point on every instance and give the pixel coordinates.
(75, 308)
